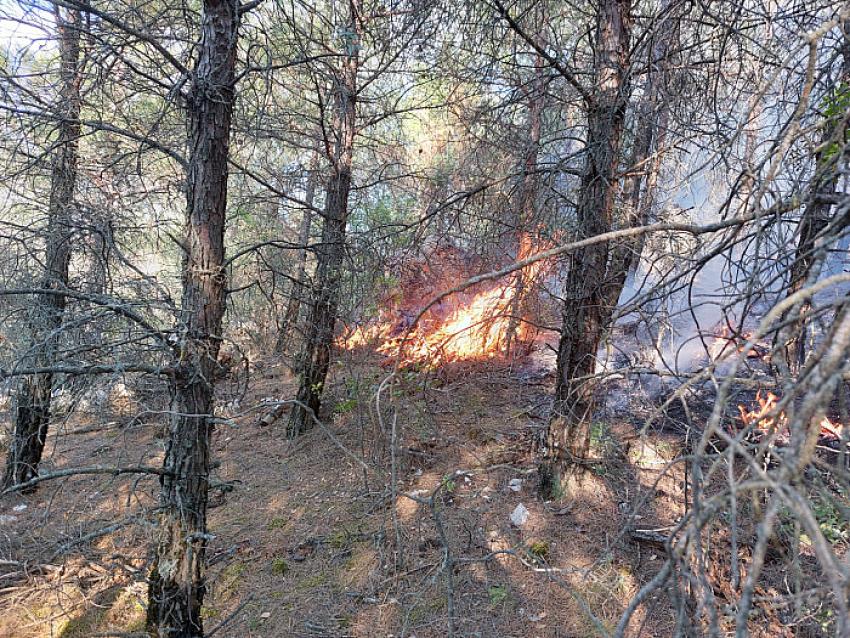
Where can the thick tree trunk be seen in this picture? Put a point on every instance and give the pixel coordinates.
(818, 213)
(289, 327)
(32, 410)
(176, 588)
(587, 289)
(321, 320)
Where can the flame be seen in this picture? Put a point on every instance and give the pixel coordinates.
(764, 417)
(482, 326)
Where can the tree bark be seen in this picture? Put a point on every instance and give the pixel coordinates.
(527, 200)
(289, 327)
(33, 397)
(817, 215)
(647, 151)
(321, 321)
(177, 587)
(587, 288)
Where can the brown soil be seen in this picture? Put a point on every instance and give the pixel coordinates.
(309, 543)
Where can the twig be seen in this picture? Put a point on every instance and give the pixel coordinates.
(230, 616)
(94, 469)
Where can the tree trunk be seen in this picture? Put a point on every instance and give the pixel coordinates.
(645, 162)
(176, 588)
(527, 199)
(817, 216)
(32, 409)
(289, 326)
(587, 289)
(321, 320)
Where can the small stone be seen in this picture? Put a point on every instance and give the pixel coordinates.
(266, 615)
(519, 516)
(515, 484)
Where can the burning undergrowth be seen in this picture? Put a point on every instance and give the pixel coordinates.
(494, 319)
(765, 418)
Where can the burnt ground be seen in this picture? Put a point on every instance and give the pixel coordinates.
(308, 542)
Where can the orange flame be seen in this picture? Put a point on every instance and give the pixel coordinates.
(480, 327)
(762, 416)
(765, 418)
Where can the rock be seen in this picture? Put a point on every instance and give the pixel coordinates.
(519, 516)
(515, 484)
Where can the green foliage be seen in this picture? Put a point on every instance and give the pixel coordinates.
(276, 523)
(279, 566)
(538, 551)
(209, 612)
(832, 524)
(838, 103)
(344, 407)
(498, 594)
(312, 582)
(835, 106)
(449, 484)
(598, 434)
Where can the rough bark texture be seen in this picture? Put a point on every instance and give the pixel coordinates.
(818, 213)
(176, 588)
(32, 400)
(587, 288)
(321, 319)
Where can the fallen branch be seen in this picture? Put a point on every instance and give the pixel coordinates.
(93, 469)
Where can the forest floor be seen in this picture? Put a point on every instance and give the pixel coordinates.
(307, 542)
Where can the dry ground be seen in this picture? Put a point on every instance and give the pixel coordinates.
(308, 542)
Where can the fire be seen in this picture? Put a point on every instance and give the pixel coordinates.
(482, 325)
(765, 418)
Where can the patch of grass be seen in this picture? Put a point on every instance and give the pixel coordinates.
(538, 552)
(344, 407)
(832, 524)
(339, 539)
(138, 625)
(277, 523)
(228, 580)
(41, 612)
(312, 582)
(279, 566)
(449, 484)
(498, 594)
(209, 612)
(417, 614)
(601, 440)
(665, 450)
(82, 626)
